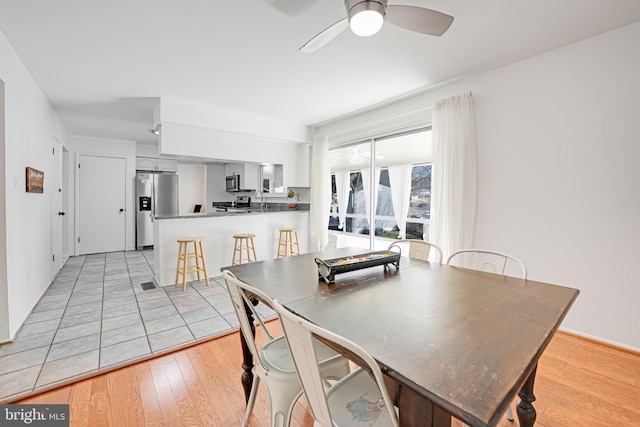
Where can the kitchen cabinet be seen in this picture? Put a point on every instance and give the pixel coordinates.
(156, 164)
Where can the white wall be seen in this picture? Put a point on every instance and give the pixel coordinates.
(92, 146)
(192, 184)
(558, 172)
(216, 186)
(30, 127)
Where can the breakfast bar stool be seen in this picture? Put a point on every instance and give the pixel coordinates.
(288, 239)
(183, 267)
(243, 245)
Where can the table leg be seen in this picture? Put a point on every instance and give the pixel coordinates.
(525, 409)
(247, 357)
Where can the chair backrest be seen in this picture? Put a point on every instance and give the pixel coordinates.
(299, 334)
(486, 260)
(419, 249)
(241, 294)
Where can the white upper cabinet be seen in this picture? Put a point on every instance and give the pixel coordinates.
(154, 164)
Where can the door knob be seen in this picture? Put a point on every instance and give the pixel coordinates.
(60, 213)
(121, 210)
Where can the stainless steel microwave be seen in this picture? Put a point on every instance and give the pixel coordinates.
(233, 183)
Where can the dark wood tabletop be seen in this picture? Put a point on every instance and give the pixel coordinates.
(452, 341)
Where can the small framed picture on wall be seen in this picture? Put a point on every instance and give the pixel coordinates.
(35, 180)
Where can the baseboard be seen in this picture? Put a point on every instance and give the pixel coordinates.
(599, 340)
(44, 291)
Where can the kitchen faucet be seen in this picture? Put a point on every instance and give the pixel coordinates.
(263, 204)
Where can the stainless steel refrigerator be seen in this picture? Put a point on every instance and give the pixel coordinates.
(156, 194)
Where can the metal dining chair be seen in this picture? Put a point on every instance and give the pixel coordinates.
(487, 260)
(491, 262)
(418, 249)
(359, 399)
(273, 363)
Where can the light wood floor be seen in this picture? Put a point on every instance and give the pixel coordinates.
(579, 383)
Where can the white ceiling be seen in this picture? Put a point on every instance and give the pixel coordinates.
(103, 64)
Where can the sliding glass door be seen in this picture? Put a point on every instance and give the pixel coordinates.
(381, 197)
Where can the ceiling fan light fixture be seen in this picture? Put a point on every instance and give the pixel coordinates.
(365, 17)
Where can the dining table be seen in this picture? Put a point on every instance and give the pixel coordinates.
(451, 341)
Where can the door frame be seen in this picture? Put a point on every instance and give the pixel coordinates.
(56, 207)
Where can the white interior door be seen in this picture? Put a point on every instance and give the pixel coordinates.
(55, 187)
(101, 204)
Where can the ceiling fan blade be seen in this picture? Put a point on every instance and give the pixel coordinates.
(325, 36)
(419, 19)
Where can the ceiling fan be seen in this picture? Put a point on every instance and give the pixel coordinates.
(365, 17)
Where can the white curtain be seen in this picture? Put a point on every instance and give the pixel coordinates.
(343, 186)
(400, 182)
(320, 195)
(366, 185)
(454, 185)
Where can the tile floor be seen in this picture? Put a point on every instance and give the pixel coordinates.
(96, 316)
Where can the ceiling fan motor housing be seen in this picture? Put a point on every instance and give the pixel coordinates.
(355, 6)
(366, 16)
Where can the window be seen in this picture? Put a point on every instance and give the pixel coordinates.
(405, 153)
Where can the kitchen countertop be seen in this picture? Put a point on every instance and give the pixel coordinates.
(237, 211)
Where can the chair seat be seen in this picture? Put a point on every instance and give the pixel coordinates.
(276, 355)
(364, 405)
(273, 361)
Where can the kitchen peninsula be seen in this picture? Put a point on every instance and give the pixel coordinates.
(217, 229)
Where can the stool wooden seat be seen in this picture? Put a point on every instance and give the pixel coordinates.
(243, 245)
(287, 241)
(183, 267)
